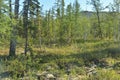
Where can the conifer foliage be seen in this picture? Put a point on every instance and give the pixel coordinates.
(62, 24)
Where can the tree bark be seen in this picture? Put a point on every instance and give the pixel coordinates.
(12, 50)
(99, 25)
(25, 23)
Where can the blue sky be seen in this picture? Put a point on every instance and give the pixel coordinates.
(47, 4)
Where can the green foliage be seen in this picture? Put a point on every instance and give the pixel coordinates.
(105, 75)
(4, 26)
(69, 38)
(73, 63)
(117, 66)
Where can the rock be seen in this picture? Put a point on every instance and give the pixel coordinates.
(91, 71)
(50, 76)
(48, 68)
(81, 77)
(41, 76)
(45, 76)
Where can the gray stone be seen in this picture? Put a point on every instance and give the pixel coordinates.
(50, 76)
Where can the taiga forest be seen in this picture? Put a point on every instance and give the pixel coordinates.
(64, 42)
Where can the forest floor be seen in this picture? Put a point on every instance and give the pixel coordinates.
(89, 60)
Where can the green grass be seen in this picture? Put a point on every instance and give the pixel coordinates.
(57, 60)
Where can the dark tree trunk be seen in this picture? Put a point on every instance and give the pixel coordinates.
(12, 47)
(25, 23)
(10, 9)
(12, 51)
(96, 4)
(99, 25)
(16, 9)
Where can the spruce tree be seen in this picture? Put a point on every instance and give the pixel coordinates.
(25, 23)
(12, 50)
(69, 23)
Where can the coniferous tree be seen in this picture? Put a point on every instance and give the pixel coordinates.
(53, 25)
(25, 22)
(70, 23)
(62, 26)
(117, 10)
(97, 6)
(12, 50)
(2, 6)
(39, 22)
(76, 12)
(61, 19)
(30, 15)
(57, 21)
(48, 27)
(4, 19)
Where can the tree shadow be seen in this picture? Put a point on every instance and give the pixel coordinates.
(63, 61)
(97, 56)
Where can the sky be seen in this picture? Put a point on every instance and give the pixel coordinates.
(47, 4)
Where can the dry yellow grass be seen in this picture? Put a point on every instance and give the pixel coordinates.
(53, 50)
(62, 50)
(4, 51)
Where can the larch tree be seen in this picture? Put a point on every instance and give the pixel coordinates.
(97, 7)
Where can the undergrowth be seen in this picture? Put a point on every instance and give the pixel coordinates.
(70, 60)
